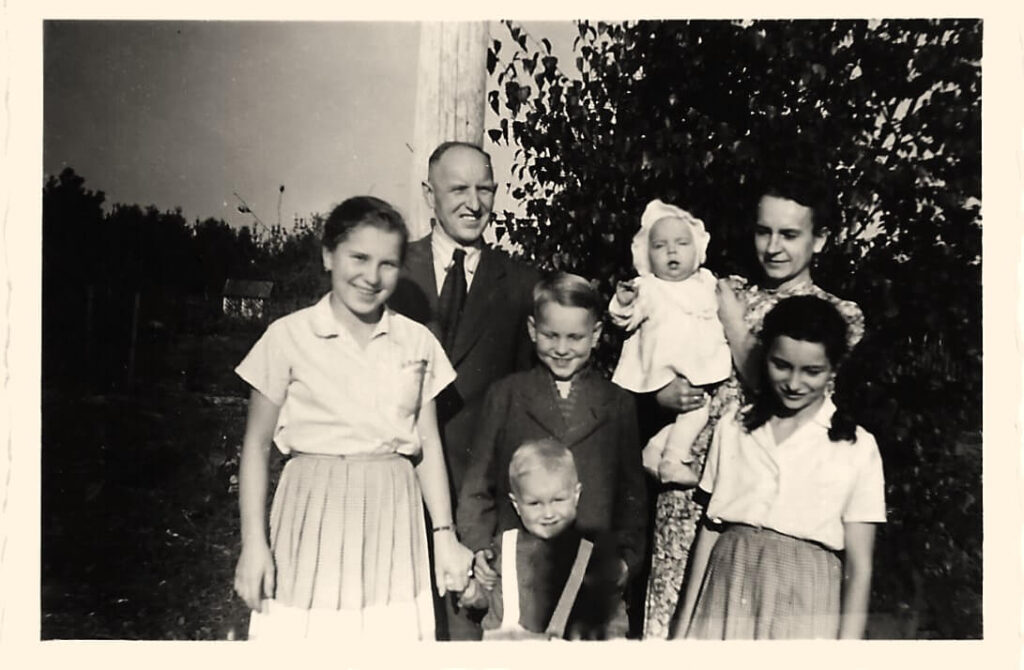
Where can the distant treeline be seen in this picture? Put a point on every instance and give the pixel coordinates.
(111, 278)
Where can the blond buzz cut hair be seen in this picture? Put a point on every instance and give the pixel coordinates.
(548, 455)
(567, 290)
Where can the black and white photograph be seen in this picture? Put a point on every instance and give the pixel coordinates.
(625, 332)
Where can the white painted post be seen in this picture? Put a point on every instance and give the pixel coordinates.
(451, 95)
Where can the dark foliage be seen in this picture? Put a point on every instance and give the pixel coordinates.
(695, 113)
(118, 287)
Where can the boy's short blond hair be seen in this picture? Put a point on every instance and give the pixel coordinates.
(567, 290)
(546, 454)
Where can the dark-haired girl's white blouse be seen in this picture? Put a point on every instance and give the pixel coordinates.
(806, 486)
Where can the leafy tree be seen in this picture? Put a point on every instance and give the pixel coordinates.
(72, 218)
(292, 260)
(693, 112)
(216, 246)
(147, 249)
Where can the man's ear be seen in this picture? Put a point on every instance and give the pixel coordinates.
(515, 503)
(531, 328)
(428, 194)
(576, 493)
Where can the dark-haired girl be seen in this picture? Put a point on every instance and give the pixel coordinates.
(795, 489)
(346, 389)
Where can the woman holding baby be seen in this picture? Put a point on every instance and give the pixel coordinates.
(791, 227)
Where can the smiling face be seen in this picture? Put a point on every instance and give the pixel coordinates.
(364, 270)
(564, 337)
(798, 373)
(546, 501)
(460, 191)
(786, 241)
(671, 249)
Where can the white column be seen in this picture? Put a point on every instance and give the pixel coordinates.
(451, 95)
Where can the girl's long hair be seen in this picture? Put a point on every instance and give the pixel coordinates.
(808, 319)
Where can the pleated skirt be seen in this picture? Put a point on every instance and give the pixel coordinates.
(760, 584)
(349, 542)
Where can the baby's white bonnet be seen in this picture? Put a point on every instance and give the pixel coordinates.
(656, 210)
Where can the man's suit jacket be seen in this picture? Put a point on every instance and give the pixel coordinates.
(491, 339)
(601, 433)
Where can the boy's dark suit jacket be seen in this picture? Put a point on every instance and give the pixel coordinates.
(491, 339)
(602, 435)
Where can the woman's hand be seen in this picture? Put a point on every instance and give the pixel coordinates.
(742, 342)
(681, 396)
(255, 575)
(452, 563)
(731, 309)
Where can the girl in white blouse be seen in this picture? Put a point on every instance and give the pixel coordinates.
(346, 388)
(796, 488)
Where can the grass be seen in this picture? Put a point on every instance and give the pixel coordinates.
(139, 515)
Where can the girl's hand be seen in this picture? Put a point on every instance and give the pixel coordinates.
(625, 292)
(731, 309)
(676, 472)
(650, 457)
(680, 395)
(255, 575)
(452, 563)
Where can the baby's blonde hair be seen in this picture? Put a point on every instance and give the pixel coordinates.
(546, 454)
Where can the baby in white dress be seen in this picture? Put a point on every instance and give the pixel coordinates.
(671, 314)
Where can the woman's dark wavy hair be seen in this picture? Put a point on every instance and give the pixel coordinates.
(794, 168)
(363, 210)
(806, 318)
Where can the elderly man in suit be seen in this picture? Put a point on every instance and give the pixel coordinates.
(475, 299)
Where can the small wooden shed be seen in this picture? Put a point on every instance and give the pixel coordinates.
(246, 299)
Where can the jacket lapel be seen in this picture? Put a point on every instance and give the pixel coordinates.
(483, 300)
(589, 411)
(538, 398)
(419, 264)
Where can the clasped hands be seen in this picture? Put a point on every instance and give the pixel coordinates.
(452, 563)
(255, 572)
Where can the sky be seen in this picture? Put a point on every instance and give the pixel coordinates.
(185, 114)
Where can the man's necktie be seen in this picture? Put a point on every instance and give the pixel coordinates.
(452, 298)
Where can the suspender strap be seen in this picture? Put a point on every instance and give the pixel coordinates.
(509, 580)
(556, 627)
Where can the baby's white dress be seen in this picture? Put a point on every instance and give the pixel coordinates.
(674, 330)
